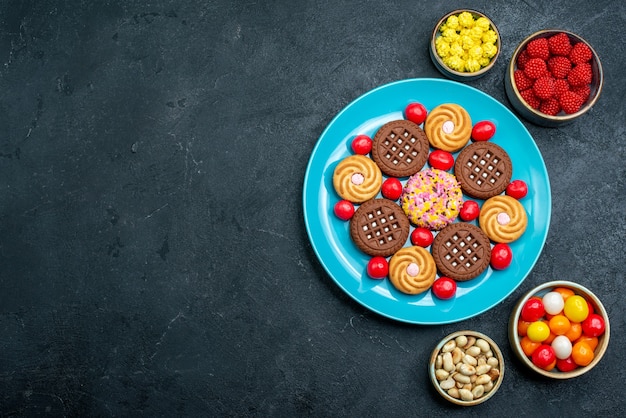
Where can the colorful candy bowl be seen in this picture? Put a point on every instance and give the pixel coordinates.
(559, 330)
(466, 368)
(465, 45)
(545, 102)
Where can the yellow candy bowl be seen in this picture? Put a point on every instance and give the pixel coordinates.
(464, 45)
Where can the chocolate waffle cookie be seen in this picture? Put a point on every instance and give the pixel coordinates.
(484, 169)
(400, 148)
(379, 227)
(461, 251)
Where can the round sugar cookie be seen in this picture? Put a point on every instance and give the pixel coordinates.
(448, 127)
(503, 219)
(412, 270)
(357, 178)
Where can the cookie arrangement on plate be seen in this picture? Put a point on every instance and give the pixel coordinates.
(428, 231)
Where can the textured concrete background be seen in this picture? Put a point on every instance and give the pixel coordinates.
(153, 254)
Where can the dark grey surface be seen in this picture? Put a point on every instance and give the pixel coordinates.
(153, 254)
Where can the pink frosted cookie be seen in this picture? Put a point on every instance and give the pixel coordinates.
(432, 199)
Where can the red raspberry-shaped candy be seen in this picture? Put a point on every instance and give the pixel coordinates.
(550, 106)
(344, 209)
(470, 210)
(583, 91)
(535, 68)
(391, 188)
(517, 189)
(378, 267)
(570, 102)
(580, 53)
(529, 97)
(522, 59)
(538, 48)
(559, 66)
(544, 87)
(560, 44)
(521, 80)
(560, 86)
(362, 144)
(421, 237)
(580, 75)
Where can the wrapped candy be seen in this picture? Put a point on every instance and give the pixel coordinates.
(466, 20)
(466, 44)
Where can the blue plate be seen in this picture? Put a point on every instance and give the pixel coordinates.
(346, 264)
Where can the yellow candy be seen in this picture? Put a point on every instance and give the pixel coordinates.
(476, 33)
(472, 65)
(456, 49)
(475, 52)
(482, 23)
(490, 37)
(484, 61)
(576, 308)
(449, 35)
(452, 22)
(467, 42)
(538, 331)
(489, 50)
(455, 62)
(443, 48)
(466, 19)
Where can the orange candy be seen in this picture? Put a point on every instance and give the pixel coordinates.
(522, 327)
(550, 366)
(582, 354)
(591, 341)
(559, 324)
(565, 292)
(528, 346)
(574, 332)
(550, 338)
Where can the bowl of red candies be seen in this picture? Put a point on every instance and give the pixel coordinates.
(559, 329)
(553, 78)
